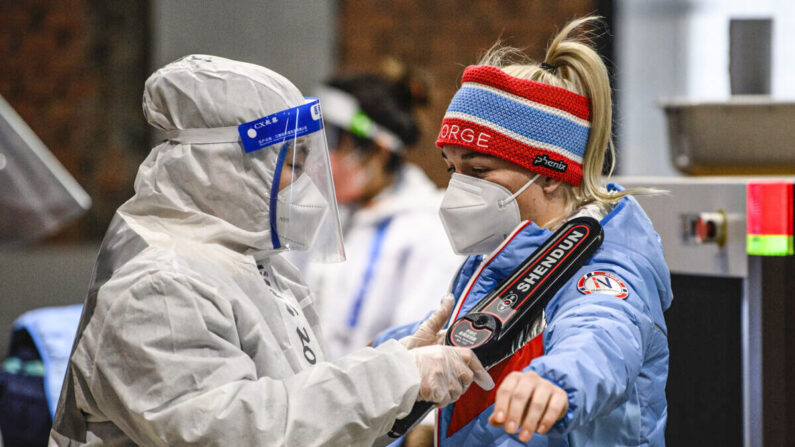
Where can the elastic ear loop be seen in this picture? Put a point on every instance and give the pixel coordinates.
(274, 200)
(502, 203)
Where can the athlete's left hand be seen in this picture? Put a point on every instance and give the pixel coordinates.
(527, 400)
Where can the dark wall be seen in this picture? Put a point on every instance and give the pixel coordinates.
(74, 71)
(442, 37)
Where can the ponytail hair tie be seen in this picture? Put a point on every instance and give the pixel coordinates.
(549, 68)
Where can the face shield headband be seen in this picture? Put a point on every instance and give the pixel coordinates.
(343, 110)
(538, 126)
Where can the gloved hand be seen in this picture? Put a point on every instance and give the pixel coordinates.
(430, 331)
(447, 372)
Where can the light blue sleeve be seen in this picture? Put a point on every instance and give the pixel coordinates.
(593, 348)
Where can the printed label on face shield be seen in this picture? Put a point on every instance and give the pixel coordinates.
(281, 126)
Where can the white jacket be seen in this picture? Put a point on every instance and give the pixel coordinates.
(195, 330)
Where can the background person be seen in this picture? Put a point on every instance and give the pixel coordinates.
(397, 253)
(195, 329)
(528, 140)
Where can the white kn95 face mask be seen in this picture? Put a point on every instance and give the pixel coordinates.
(478, 214)
(300, 214)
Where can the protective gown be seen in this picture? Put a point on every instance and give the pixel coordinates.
(195, 330)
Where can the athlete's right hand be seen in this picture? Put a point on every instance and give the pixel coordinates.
(446, 372)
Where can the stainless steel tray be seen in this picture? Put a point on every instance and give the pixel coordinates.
(747, 135)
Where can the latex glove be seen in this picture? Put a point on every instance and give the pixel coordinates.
(446, 372)
(430, 331)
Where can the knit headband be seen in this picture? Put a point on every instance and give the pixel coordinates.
(538, 126)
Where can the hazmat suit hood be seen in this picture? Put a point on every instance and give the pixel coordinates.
(207, 192)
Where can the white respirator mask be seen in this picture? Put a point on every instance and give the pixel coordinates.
(478, 214)
(300, 214)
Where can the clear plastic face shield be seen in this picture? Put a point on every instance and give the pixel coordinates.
(291, 147)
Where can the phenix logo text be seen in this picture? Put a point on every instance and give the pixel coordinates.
(545, 161)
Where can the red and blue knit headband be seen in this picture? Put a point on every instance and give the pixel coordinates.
(535, 125)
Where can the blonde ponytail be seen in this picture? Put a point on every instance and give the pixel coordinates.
(573, 64)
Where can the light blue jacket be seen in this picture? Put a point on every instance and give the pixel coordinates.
(609, 352)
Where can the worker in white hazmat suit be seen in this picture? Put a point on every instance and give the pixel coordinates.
(195, 329)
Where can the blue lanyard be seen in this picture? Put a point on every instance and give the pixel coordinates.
(274, 200)
(375, 252)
